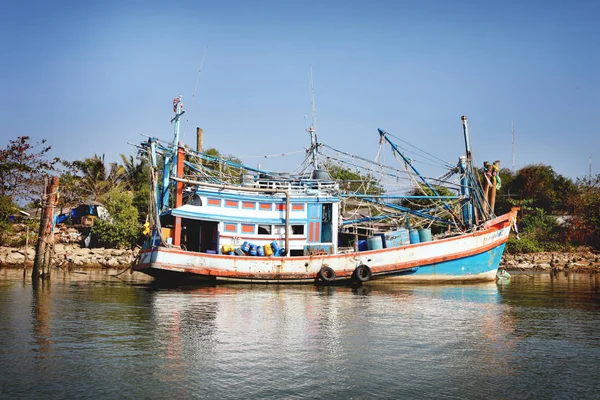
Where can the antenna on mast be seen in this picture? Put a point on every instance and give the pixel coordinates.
(312, 100)
(313, 128)
(514, 160)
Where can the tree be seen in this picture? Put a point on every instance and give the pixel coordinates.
(123, 229)
(96, 178)
(547, 189)
(22, 167)
(352, 182)
(135, 174)
(584, 225)
(136, 179)
(7, 208)
(71, 190)
(423, 190)
(505, 194)
(220, 169)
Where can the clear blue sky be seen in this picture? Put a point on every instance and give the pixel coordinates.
(92, 76)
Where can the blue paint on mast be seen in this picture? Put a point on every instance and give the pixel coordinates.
(170, 166)
(466, 170)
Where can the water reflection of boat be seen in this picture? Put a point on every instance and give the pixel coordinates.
(295, 228)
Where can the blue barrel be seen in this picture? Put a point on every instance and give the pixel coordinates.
(391, 240)
(413, 236)
(382, 236)
(403, 236)
(252, 249)
(362, 245)
(397, 238)
(245, 247)
(276, 248)
(260, 251)
(425, 235)
(374, 243)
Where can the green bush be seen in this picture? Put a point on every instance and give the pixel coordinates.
(524, 245)
(7, 208)
(539, 232)
(122, 230)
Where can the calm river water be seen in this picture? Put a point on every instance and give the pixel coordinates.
(94, 336)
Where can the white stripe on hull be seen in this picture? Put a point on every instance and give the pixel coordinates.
(433, 278)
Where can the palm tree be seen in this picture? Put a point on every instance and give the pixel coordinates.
(134, 174)
(96, 179)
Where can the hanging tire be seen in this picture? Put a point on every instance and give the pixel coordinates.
(327, 274)
(362, 273)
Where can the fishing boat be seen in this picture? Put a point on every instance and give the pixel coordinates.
(216, 220)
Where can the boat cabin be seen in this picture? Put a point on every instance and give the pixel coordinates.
(298, 219)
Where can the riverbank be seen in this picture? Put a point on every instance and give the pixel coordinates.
(70, 256)
(581, 260)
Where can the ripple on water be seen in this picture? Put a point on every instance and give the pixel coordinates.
(111, 339)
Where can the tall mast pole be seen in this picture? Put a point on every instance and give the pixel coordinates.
(178, 110)
(170, 160)
(313, 129)
(466, 169)
(467, 140)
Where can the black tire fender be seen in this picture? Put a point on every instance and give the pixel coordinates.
(362, 273)
(326, 274)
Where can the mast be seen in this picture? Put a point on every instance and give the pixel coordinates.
(178, 110)
(466, 168)
(170, 158)
(176, 169)
(312, 131)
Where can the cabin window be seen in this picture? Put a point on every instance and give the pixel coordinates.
(265, 206)
(229, 227)
(297, 207)
(297, 229)
(231, 203)
(214, 202)
(248, 205)
(279, 230)
(264, 229)
(280, 207)
(248, 228)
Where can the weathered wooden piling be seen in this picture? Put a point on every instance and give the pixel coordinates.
(45, 243)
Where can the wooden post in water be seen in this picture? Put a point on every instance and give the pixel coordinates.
(44, 247)
(26, 251)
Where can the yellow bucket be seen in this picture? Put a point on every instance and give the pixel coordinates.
(227, 249)
(268, 250)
